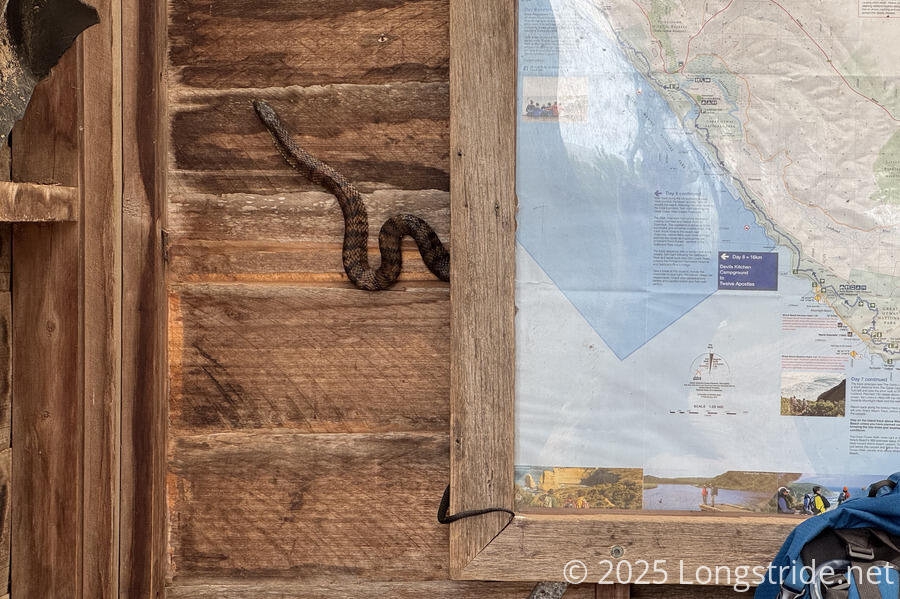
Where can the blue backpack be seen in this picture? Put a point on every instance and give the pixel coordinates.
(851, 552)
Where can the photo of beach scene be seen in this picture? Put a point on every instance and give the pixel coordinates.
(554, 99)
(578, 488)
(740, 491)
(732, 491)
(806, 393)
(544, 488)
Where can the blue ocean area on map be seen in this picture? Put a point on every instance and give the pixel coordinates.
(608, 260)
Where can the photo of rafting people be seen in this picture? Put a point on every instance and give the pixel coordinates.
(813, 394)
(554, 99)
(578, 488)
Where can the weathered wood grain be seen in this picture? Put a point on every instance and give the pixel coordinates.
(299, 217)
(612, 591)
(353, 588)
(5, 376)
(143, 459)
(5, 513)
(307, 359)
(684, 591)
(100, 260)
(30, 202)
(5, 419)
(394, 136)
(5, 228)
(268, 505)
(5, 368)
(47, 419)
(5, 256)
(51, 153)
(483, 207)
(286, 238)
(541, 545)
(274, 43)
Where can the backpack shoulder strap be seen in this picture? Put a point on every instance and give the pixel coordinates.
(866, 547)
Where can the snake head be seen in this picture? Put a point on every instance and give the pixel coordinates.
(265, 112)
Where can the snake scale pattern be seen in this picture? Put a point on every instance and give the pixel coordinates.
(356, 221)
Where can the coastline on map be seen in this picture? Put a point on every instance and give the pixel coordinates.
(578, 488)
(707, 96)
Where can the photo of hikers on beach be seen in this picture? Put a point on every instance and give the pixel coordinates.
(811, 495)
(741, 491)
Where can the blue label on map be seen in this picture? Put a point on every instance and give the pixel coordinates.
(748, 271)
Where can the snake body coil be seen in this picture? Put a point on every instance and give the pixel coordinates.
(356, 221)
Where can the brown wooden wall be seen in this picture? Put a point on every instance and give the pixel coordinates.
(308, 421)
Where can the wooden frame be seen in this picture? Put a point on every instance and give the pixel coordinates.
(483, 208)
(88, 317)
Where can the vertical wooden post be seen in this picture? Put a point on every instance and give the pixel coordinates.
(5, 376)
(483, 204)
(67, 326)
(47, 419)
(101, 242)
(144, 373)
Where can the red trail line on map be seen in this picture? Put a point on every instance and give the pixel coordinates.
(792, 18)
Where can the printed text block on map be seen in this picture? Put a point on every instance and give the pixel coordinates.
(879, 8)
(749, 271)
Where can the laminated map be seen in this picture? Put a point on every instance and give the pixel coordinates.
(706, 263)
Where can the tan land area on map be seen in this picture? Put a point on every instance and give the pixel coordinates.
(799, 103)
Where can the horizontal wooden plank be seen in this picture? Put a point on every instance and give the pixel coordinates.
(308, 359)
(685, 545)
(309, 217)
(377, 136)
(33, 202)
(352, 588)
(223, 44)
(245, 237)
(686, 591)
(266, 504)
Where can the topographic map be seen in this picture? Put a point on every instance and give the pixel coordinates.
(709, 205)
